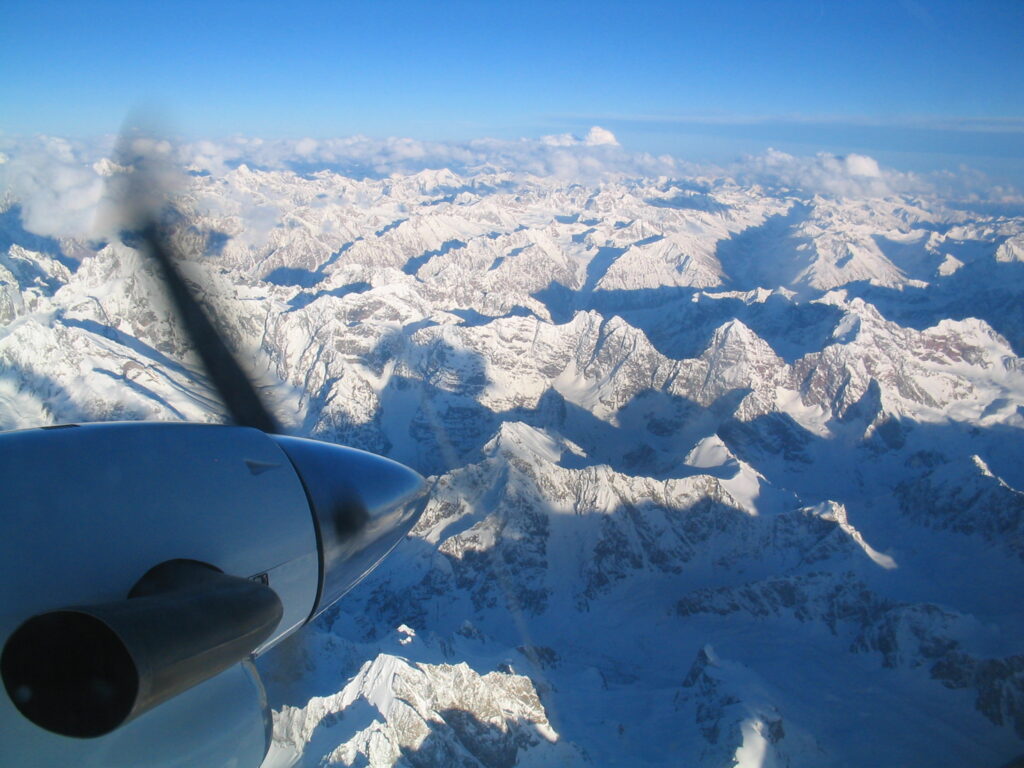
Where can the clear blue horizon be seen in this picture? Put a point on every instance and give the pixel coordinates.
(920, 86)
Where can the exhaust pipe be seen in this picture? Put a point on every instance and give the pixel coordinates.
(84, 671)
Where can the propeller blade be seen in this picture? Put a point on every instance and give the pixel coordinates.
(140, 195)
(243, 403)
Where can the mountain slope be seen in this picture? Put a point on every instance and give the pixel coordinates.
(720, 474)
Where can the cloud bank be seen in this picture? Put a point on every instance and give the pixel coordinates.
(57, 183)
(65, 188)
(846, 176)
(564, 156)
(861, 176)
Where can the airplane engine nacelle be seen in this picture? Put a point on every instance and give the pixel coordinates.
(153, 559)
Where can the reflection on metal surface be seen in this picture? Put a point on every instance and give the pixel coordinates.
(363, 505)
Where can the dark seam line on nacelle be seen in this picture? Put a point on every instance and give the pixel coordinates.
(321, 566)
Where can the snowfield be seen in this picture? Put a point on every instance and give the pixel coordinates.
(723, 473)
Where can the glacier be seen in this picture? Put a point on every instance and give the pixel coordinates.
(723, 472)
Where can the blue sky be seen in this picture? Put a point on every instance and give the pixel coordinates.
(918, 84)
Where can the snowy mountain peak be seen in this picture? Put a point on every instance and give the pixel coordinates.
(715, 466)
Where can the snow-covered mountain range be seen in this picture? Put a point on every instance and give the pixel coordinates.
(723, 473)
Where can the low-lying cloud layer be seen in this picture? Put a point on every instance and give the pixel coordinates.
(58, 184)
(856, 175)
(564, 156)
(64, 186)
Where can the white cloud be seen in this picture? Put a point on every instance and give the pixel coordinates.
(79, 189)
(848, 176)
(145, 146)
(306, 147)
(559, 140)
(55, 183)
(107, 167)
(862, 165)
(598, 136)
(561, 155)
(861, 176)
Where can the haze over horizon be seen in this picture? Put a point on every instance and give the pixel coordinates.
(920, 88)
